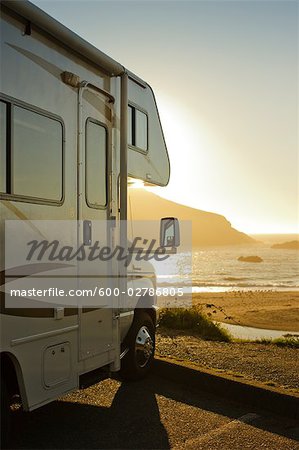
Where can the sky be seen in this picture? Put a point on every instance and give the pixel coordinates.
(225, 76)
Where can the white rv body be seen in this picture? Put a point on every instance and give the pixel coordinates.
(49, 73)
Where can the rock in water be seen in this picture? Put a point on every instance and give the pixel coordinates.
(254, 259)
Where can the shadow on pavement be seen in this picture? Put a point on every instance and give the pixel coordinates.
(132, 419)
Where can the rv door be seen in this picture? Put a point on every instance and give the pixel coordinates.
(98, 330)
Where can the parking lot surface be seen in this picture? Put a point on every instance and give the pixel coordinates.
(150, 414)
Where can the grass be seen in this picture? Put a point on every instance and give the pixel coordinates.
(286, 341)
(194, 321)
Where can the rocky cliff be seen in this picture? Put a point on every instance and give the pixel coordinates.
(207, 228)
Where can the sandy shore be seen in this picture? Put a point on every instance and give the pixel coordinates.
(260, 309)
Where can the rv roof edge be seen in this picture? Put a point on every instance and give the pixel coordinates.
(136, 79)
(48, 24)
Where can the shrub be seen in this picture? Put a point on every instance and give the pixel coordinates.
(192, 320)
(285, 341)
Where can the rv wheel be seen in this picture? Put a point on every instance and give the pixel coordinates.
(5, 415)
(140, 345)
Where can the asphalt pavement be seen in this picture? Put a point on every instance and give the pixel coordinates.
(151, 414)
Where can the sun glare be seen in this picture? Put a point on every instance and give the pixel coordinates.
(133, 183)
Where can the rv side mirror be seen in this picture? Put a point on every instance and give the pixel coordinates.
(169, 232)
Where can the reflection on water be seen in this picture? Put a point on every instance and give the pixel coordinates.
(217, 269)
(250, 333)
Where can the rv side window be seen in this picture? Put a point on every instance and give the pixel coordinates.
(96, 165)
(137, 128)
(31, 154)
(37, 158)
(3, 143)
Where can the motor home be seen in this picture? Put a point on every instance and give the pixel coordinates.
(75, 127)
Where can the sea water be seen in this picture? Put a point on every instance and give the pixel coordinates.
(217, 269)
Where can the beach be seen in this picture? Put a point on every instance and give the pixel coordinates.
(274, 310)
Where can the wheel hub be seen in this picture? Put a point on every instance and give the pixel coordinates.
(144, 346)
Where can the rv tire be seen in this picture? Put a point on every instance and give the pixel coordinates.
(140, 343)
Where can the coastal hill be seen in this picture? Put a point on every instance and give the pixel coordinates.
(292, 245)
(207, 228)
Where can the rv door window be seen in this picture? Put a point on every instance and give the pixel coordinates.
(130, 125)
(3, 141)
(37, 158)
(96, 164)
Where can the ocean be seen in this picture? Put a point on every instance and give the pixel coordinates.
(217, 269)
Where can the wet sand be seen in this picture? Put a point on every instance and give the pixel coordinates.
(272, 310)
